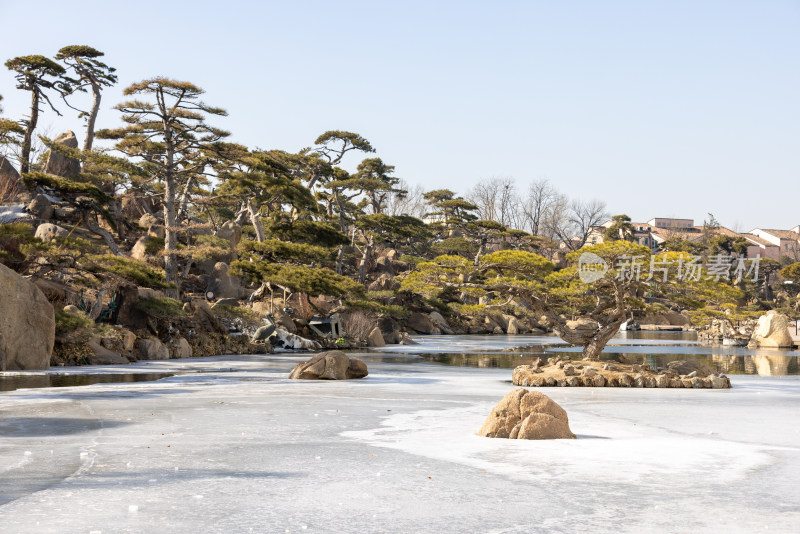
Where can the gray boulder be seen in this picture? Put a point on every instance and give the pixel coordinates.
(27, 324)
(420, 323)
(49, 231)
(153, 349)
(60, 165)
(41, 207)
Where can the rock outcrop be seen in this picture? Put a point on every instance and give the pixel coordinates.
(331, 365)
(772, 331)
(524, 414)
(27, 324)
(60, 165)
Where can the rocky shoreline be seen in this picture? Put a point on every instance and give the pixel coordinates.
(558, 372)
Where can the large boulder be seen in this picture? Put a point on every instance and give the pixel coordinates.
(139, 250)
(375, 338)
(420, 323)
(9, 177)
(180, 348)
(153, 349)
(230, 231)
(41, 207)
(104, 356)
(27, 324)
(224, 285)
(439, 320)
(772, 331)
(331, 365)
(60, 165)
(524, 414)
(48, 232)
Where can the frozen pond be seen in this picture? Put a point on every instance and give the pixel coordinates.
(653, 348)
(230, 445)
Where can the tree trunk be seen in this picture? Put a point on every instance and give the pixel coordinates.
(183, 204)
(170, 236)
(255, 220)
(480, 253)
(25, 164)
(170, 215)
(339, 259)
(595, 346)
(362, 267)
(105, 234)
(89, 141)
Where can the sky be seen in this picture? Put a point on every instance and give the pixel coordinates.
(659, 108)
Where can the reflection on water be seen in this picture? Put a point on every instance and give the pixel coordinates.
(764, 365)
(653, 348)
(10, 382)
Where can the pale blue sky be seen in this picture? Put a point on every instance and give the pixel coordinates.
(659, 108)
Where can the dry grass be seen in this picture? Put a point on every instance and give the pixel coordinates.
(358, 323)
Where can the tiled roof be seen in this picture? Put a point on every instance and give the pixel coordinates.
(782, 234)
(758, 240)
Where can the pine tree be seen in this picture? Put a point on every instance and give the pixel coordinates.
(172, 140)
(91, 73)
(36, 74)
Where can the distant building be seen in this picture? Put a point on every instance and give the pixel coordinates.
(654, 232)
(776, 244)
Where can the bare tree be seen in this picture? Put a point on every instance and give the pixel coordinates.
(535, 207)
(411, 203)
(496, 200)
(573, 230)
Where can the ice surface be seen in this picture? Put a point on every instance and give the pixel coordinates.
(234, 446)
(11, 213)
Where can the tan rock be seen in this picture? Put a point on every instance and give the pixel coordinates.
(139, 250)
(772, 331)
(27, 323)
(180, 348)
(103, 355)
(331, 365)
(375, 338)
(153, 349)
(524, 414)
(230, 231)
(420, 323)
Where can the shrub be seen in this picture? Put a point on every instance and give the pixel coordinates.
(67, 323)
(162, 306)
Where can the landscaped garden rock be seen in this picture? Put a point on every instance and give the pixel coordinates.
(564, 373)
(331, 365)
(524, 414)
